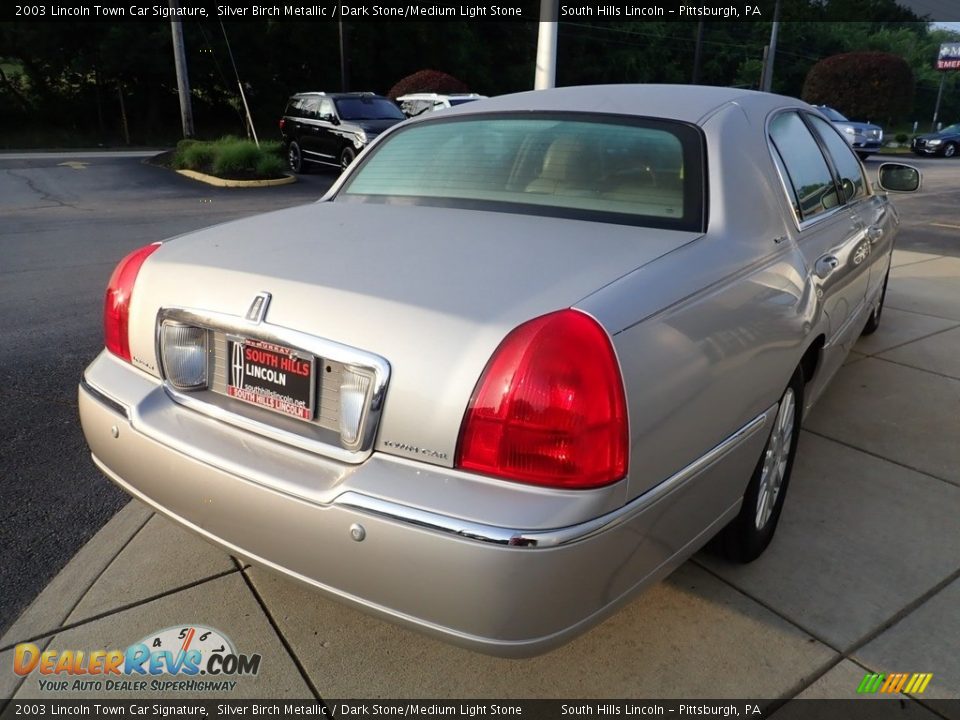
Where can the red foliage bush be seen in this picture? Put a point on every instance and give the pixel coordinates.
(875, 86)
(427, 81)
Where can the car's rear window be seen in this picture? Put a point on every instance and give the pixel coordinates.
(368, 108)
(832, 114)
(595, 167)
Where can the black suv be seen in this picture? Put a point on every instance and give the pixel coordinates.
(331, 128)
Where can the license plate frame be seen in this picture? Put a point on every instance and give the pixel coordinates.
(276, 378)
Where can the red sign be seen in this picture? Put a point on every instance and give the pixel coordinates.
(949, 57)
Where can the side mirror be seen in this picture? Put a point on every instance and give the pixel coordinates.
(330, 118)
(895, 177)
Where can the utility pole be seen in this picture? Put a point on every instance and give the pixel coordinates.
(696, 54)
(546, 70)
(344, 85)
(936, 109)
(766, 80)
(251, 130)
(183, 82)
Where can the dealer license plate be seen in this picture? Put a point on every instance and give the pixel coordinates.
(271, 376)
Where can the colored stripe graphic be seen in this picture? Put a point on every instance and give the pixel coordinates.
(911, 683)
(922, 680)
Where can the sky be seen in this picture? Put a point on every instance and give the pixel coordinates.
(946, 12)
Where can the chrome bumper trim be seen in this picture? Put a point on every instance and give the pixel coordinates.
(316, 346)
(548, 538)
(104, 399)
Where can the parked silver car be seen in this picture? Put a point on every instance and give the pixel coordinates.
(523, 359)
(864, 138)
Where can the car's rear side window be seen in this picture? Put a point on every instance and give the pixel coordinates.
(293, 107)
(852, 181)
(596, 167)
(807, 170)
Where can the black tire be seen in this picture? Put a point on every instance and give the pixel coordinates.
(347, 156)
(295, 158)
(874, 320)
(742, 540)
(949, 150)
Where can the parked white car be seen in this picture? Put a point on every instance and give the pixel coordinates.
(419, 103)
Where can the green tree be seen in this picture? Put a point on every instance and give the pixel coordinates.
(863, 85)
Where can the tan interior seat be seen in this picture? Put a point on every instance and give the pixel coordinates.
(566, 168)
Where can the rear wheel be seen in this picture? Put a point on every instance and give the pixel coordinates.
(949, 150)
(346, 157)
(748, 535)
(294, 158)
(874, 322)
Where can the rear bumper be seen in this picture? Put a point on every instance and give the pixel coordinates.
(503, 591)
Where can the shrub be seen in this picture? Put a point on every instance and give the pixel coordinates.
(270, 166)
(231, 157)
(235, 157)
(272, 147)
(902, 138)
(874, 86)
(427, 81)
(195, 156)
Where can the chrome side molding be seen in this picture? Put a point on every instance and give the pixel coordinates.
(549, 538)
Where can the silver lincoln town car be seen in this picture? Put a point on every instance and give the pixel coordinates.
(523, 359)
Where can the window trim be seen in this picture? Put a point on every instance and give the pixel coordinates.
(807, 118)
(786, 183)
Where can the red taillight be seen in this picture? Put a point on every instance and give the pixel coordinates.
(549, 408)
(116, 304)
(283, 122)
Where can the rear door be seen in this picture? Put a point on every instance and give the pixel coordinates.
(869, 212)
(830, 238)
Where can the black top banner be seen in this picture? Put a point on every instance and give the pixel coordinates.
(501, 10)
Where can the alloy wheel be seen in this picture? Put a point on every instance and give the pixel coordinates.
(775, 459)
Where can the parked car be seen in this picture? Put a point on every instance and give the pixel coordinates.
(865, 138)
(332, 128)
(523, 359)
(945, 143)
(418, 103)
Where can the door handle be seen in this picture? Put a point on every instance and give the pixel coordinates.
(874, 233)
(826, 265)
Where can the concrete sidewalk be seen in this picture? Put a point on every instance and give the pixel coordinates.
(863, 576)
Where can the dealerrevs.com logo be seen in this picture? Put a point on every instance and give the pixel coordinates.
(192, 658)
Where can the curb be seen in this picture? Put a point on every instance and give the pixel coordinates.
(222, 182)
(51, 608)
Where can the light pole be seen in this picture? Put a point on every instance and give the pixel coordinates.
(766, 80)
(546, 70)
(183, 81)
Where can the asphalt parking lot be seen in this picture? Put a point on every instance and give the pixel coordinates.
(67, 220)
(864, 574)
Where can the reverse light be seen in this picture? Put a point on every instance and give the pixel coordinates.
(116, 305)
(354, 393)
(549, 408)
(184, 351)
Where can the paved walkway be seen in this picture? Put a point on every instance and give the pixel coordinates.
(863, 576)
